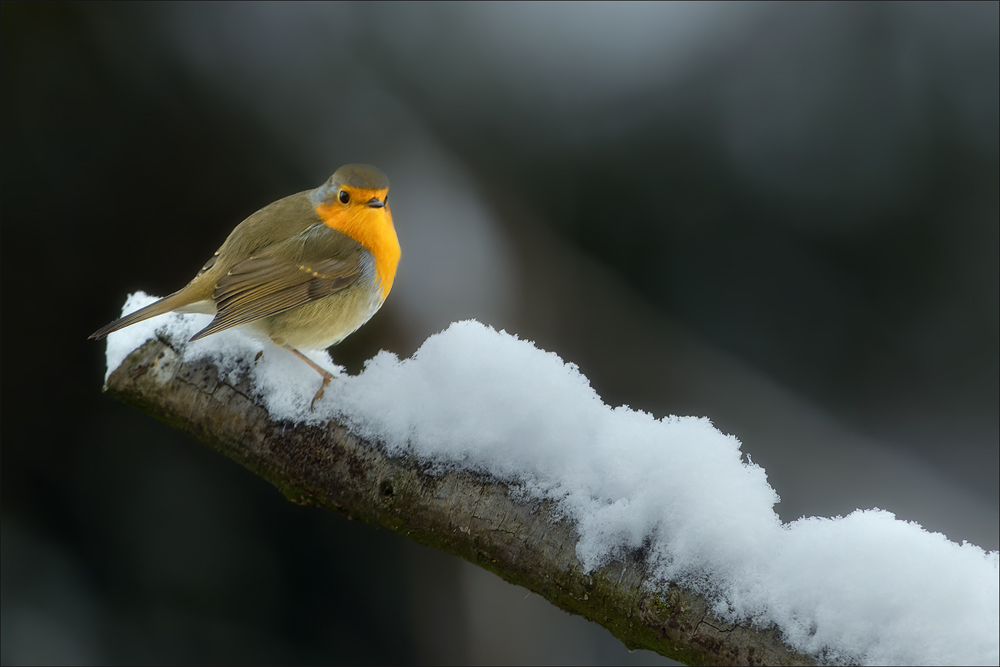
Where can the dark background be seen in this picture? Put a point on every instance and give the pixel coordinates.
(784, 217)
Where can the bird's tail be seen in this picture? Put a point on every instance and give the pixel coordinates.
(164, 305)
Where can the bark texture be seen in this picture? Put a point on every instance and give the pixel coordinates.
(469, 515)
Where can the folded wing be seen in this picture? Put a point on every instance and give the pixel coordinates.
(307, 267)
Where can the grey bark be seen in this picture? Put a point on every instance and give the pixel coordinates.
(469, 515)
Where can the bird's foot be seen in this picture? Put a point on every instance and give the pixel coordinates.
(316, 367)
(319, 394)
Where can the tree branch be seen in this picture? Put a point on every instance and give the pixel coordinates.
(477, 518)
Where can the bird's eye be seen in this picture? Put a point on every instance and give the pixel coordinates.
(344, 197)
(386, 200)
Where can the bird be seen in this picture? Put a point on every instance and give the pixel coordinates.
(305, 271)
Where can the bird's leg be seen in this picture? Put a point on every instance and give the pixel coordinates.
(326, 375)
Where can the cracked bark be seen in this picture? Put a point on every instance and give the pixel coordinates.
(465, 514)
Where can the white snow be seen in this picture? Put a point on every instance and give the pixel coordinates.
(866, 588)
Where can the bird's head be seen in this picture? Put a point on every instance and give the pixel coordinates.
(353, 190)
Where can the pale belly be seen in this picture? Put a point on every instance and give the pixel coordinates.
(322, 323)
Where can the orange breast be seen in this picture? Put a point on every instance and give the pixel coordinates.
(372, 228)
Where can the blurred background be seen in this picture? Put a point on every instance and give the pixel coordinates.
(780, 216)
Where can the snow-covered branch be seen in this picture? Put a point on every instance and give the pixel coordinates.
(661, 530)
(526, 541)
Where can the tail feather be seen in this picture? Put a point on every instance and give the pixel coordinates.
(164, 305)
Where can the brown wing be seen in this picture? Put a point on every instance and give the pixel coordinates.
(307, 267)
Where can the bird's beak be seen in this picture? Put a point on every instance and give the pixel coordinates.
(375, 202)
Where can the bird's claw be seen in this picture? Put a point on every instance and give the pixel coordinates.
(319, 394)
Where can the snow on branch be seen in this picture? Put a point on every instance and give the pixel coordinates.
(488, 448)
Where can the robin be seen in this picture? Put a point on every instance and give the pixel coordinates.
(306, 271)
